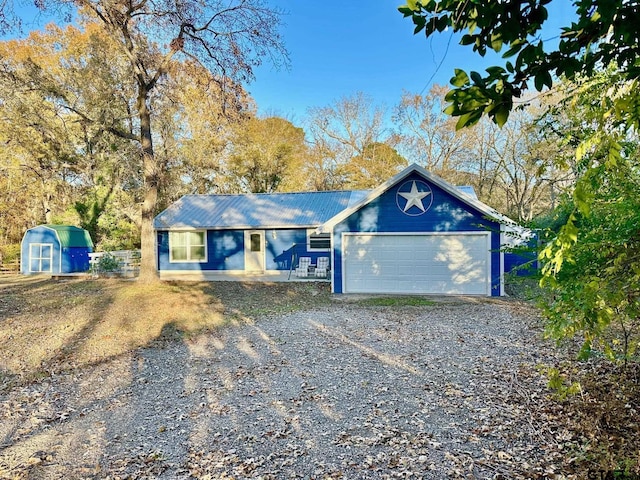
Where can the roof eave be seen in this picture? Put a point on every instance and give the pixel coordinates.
(232, 227)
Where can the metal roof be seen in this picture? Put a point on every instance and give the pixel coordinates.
(261, 210)
(71, 236)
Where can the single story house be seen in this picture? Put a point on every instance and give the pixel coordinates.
(55, 249)
(414, 234)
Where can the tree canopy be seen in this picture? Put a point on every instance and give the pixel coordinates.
(228, 38)
(603, 32)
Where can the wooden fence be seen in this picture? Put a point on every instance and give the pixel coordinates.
(10, 268)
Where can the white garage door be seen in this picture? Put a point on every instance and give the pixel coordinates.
(416, 263)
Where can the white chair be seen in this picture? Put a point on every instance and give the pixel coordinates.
(303, 267)
(322, 267)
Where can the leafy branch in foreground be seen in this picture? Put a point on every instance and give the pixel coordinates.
(603, 33)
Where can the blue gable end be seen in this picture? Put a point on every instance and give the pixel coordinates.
(391, 212)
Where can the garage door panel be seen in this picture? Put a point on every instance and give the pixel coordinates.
(420, 263)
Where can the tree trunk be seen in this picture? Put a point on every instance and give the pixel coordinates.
(148, 271)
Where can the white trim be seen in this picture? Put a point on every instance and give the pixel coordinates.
(188, 246)
(55, 232)
(50, 245)
(487, 236)
(312, 231)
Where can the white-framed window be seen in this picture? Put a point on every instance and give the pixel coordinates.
(188, 246)
(318, 242)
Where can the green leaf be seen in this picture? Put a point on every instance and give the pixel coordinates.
(501, 115)
(542, 79)
(406, 11)
(495, 71)
(477, 79)
(582, 197)
(460, 79)
(496, 42)
(468, 119)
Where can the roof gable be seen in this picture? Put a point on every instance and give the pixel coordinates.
(463, 196)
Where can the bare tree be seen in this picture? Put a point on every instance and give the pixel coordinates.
(428, 136)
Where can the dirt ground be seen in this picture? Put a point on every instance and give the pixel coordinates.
(232, 380)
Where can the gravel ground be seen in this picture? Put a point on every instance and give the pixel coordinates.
(346, 391)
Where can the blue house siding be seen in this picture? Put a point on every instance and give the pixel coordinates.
(225, 251)
(287, 246)
(445, 214)
(284, 247)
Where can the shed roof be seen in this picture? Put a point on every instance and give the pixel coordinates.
(71, 236)
(261, 210)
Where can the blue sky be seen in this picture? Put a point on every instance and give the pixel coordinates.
(339, 48)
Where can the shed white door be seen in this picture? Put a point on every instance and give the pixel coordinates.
(417, 263)
(41, 257)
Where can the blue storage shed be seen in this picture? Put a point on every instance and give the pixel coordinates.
(55, 249)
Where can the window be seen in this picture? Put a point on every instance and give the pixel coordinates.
(187, 247)
(256, 242)
(318, 242)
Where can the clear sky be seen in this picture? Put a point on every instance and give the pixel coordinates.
(338, 48)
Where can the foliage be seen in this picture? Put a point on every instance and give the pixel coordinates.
(603, 32)
(376, 163)
(339, 133)
(591, 264)
(228, 38)
(107, 263)
(596, 283)
(52, 157)
(267, 155)
(9, 253)
(426, 135)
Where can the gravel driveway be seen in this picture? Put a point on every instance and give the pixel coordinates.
(346, 391)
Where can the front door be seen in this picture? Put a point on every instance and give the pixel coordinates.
(40, 257)
(254, 251)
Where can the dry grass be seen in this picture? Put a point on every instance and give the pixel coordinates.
(48, 326)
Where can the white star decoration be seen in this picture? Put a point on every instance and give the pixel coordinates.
(414, 198)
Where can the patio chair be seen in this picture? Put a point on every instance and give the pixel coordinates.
(322, 267)
(303, 267)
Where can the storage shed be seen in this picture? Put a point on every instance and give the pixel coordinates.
(55, 249)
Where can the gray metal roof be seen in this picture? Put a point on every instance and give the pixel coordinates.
(266, 210)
